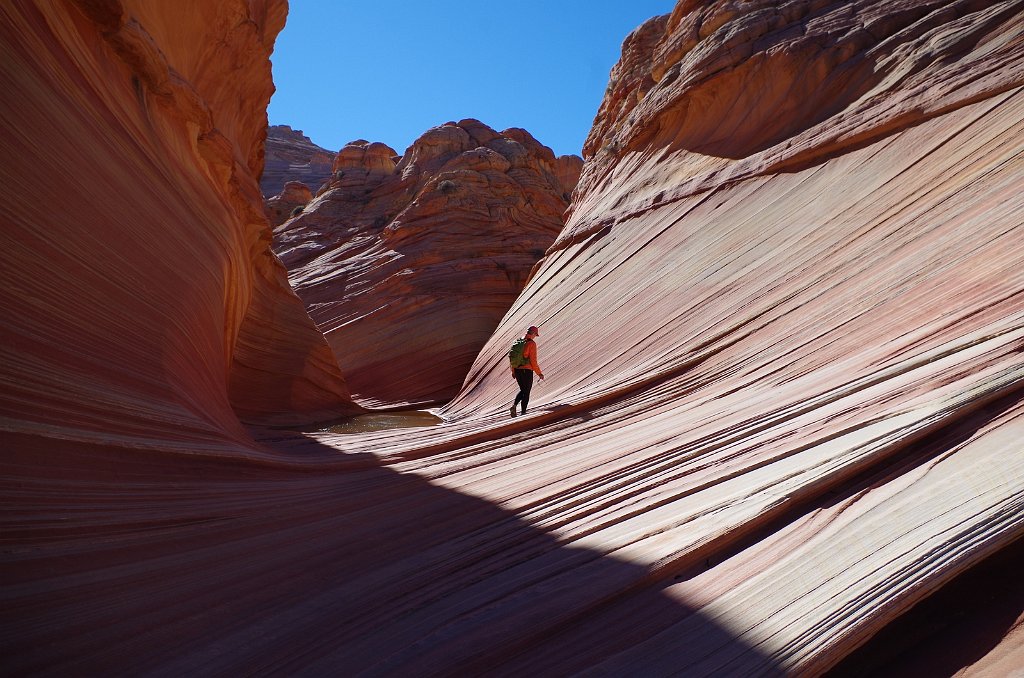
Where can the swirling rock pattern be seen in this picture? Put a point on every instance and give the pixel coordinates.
(783, 398)
(407, 263)
(147, 303)
(788, 311)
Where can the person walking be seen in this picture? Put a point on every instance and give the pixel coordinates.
(524, 373)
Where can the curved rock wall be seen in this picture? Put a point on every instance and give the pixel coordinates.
(787, 313)
(147, 303)
(784, 372)
(407, 263)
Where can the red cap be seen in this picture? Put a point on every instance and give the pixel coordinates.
(533, 329)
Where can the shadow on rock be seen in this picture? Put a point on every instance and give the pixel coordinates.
(307, 561)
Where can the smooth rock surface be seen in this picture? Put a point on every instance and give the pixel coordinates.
(784, 370)
(788, 311)
(145, 304)
(407, 263)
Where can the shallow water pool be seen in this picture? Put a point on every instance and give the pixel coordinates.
(382, 421)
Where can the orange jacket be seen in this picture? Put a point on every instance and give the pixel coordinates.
(530, 354)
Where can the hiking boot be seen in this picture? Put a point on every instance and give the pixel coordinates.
(512, 411)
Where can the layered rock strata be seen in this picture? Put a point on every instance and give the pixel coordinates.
(788, 309)
(146, 303)
(408, 263)
(292, 156)
(783, 398)
(288, 203)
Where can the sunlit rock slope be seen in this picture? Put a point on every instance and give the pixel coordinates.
(407, 263)
(783, 328)
(782, 335)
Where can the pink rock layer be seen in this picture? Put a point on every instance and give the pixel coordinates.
(783, 399)
(290, 155)
(783, 333)
(408, 263)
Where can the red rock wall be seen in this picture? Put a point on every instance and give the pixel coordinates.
(783, 398)
(148, 303)
(408, 263)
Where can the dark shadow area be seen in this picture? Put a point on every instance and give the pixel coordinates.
(573, 414)
(951, 629)
(306, 562)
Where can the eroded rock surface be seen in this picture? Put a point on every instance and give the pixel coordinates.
(784, 368)
(408, 263)
(292, 156)
(788, 307)
(147, 304)
(288, 203)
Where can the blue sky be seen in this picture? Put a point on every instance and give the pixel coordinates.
(389, 70)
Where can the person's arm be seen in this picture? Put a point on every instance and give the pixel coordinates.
(531, 353)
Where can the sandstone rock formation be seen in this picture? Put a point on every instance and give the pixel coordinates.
(784, 397)
(788, 311)
(286, 204)
(408, 263)
(147, 304)
(292, 156)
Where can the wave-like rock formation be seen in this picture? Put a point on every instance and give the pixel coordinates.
(407, 264)
(144, 299)
(782, 333)
(292, 156)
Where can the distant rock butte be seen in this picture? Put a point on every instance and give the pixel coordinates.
(407, 263)
(291, 156)
(782, 332)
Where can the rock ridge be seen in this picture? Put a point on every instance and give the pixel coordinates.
(292, 156)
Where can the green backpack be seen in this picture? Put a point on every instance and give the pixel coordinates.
(515, 354)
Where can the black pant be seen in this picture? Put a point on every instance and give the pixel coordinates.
(525, 379)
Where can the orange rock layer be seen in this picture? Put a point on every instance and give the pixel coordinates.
(285, 205)
(784, 397)
(408, 263)
(146, 304)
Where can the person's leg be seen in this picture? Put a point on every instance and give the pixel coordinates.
(525, 379)
(518, 374)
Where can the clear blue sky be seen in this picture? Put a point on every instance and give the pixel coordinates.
(388, 70)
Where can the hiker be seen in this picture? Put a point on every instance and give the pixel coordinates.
(523, 363)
